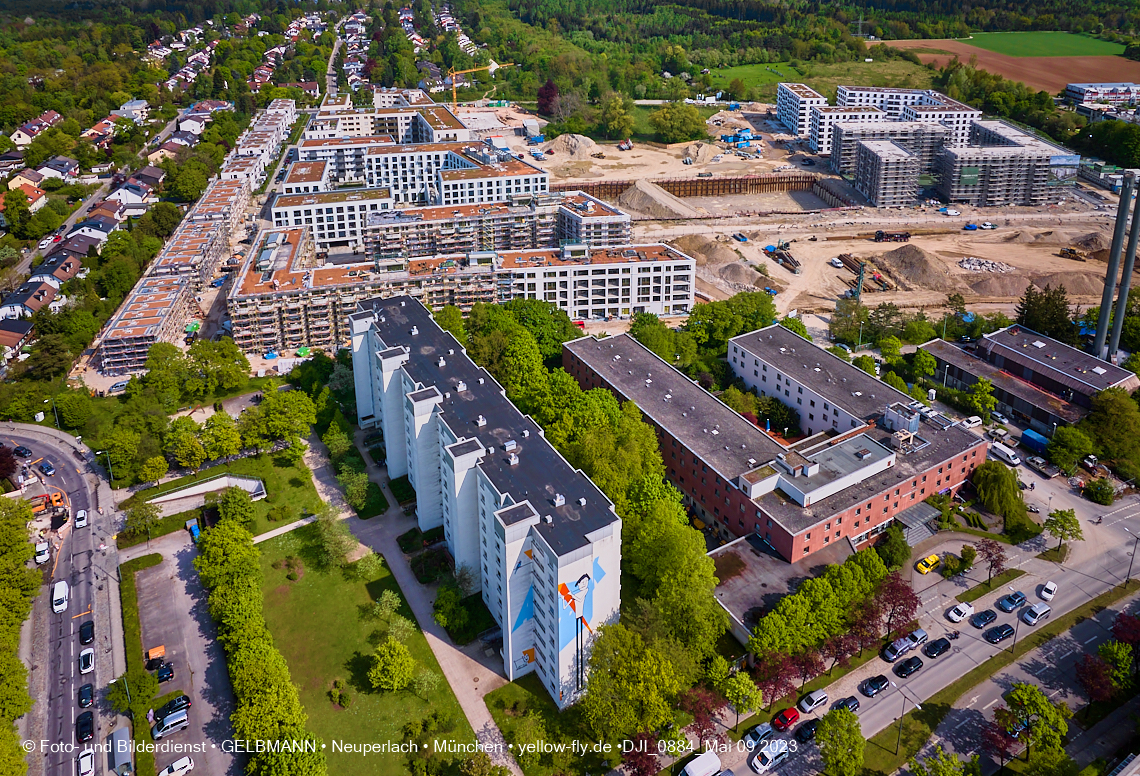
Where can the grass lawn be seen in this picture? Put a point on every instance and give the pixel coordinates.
(753, 75)
(285, 483)
(917, 728)
(1044, 44)
(166, 525)
(402, 490)
(977, 591)
(897, 73)
(1055, 554)
(132, 641)
(317, 624)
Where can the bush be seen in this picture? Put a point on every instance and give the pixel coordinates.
(892, 548)
(969, 555)
(1100, 491)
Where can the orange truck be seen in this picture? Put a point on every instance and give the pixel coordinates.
(38, 504)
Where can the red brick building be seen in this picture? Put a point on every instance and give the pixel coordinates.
(868, 458)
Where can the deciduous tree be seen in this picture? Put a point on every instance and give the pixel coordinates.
(393, 667)
(1063, 525)
(841, 743)
(808, 665)
(142, 519)
(153, 469)
(630, 685)
(1095, 677)
(742, 693)
(943, 763)
(993, 555)
(1118, 656)
(898, 600)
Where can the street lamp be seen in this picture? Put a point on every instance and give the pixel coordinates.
(917, 707)
(52, 400)
(110, 471)
(1130, 560)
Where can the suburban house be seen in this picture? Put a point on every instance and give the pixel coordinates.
(194, 123)
(37, 198)
(24, 136)
(150, 175)
(183, 138)
(134, 196)
(11, 161)
(64, 168)
(29, 299)
(167, 150)
(101, 134)
(14, 335)
(56, 271)
(26, 177)
(135, 110)
(97, 227)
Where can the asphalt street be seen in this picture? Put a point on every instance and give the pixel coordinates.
(79, 562)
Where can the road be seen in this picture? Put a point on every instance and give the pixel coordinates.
(79, 562)
(330, 72)
(25, 265)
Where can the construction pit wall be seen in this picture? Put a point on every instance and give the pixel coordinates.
(280, 300)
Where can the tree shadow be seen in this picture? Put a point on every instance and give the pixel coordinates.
(357, 667)
(377, 636)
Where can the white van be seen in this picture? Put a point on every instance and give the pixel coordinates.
(59, 597)
(706, 764)
(1036, 614)
(172, 723)
(1003, 453)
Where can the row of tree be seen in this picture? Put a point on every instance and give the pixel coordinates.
(267, 704)
(18, 585)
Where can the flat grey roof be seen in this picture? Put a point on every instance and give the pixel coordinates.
(861, 394)
(1074, 368)
(540, 473)
(837, 461)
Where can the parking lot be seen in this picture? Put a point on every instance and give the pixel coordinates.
(174, 614)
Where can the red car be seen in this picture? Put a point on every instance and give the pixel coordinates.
(786, 719)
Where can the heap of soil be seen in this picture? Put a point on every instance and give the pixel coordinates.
(1093, 241)
(651, 200)
(738, 273)
(573, 146)
(914, 269)
(1075, 283)
(701, 153)
(705, 250)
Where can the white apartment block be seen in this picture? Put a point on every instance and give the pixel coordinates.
(1112, 94)
(955, 116)
(402, 114)
(335, 218)
(824, 117)
(793, 106)
(543, 542)
(924, 105)
(306, 178)
(889, 100)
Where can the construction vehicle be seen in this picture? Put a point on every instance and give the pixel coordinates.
(452, 73)
(625, 145)
(38, 503)
(597, 155)
(1073, 253)
(536, 140)
(881, 236)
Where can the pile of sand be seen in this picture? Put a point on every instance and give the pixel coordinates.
(701, 153)
(705, 250)
(914, 269)
(1093, 241)
(1075, 283)
(746, 276)
(653, 201)
(1088, 241)
(573, 146)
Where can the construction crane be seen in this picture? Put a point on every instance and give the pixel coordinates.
(452, 73)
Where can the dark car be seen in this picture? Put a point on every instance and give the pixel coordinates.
(155, 663)
(22, 452)
(87, 632)
(85, 727)
(998, 634)
(165, 673)
(850, 702)
(908, 667)
(1011, 601)
(86, 695)
(874, 686)
(178, 704)
(806, 731)
(47, 468)
(937, 647)
(983, 618)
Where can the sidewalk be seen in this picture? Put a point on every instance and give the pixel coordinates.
(1104, 739)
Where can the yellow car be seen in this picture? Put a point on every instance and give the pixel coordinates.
(927, 565)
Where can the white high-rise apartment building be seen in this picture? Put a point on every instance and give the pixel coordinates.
(542, 539)
(793, 106)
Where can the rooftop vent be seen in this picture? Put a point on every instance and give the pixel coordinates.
(526, 433)
(480, 381)
(442, 363)
(510, 444)
(460, 387)
(581, 502)
(1099, 370)
(751, 461)
(401, 304)
(451, 351)
(480, 421)
(415, 329)
(514, 459)
(1038, 344)
(559, 500)
(548, 519)
(862, 453)
(715, 432)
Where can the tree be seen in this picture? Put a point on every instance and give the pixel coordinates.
(998, 490)
(1047, 722)
(8, 462)
(236, 505)
(841, 742)
(1126, 628)
(742, 693)
(213, 365)
(1096, 678)
(355, 484)
(703, 705)
(774, 675)
(891, 349)
(386, 605)
(548, 98)
(1100, 491)
(923, 364)
(288, 414)
(480, 764)
(968, 556)
(142, 519)
(188, 451)
(676, 122)
(996, 740)
(641, 758)
(864, 362)
(1062, 525)
(847, 321)
(630, 685)
(1114, 423)
(943, 763)
(153, 469)
(220, 436)
(808, 665)
(839, 649)
(615, 119)
(334, 541)
(893, 547)
(425, 683)
(1068, 446)
(796, 325)
(74, 409)
(122, 444)
(1047, 312)
(1118, 656)
(450, 318)
(993, 555)
(981, 397)
(898, 600)
(393, 666)
(225, 553)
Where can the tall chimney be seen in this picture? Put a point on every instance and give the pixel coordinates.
(1125, 283)
(1113, 266)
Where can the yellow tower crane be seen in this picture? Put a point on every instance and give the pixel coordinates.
(452, 73)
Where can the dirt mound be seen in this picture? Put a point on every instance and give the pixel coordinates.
(1018, 237)
(738, 273)
(1075, 283)
(653, 201)
(701, 153)
(1093, 241)
(915, 269)
(574, 146)
(704, 250)
(1001, 286)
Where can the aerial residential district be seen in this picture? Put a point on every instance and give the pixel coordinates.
(487, 389)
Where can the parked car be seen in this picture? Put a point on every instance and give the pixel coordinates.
(81, 518)
(22, 452)
(927, 564)
(873, 686)
(85, 727)
(785, 719)
(87, 661)
(1048, 590)
(999, 418)
(850, 702)
(770, 757)
(836, 263)
(970, 227)
(983, 618)
(87, 632)
(165, 673)
(47, 468)
(987, 225)
(960, 612)
(179, 767)
(1036, 613)
(43, 553)
(998, 634)
(973, 421)
(184, 702)
(1010, 602)
(937, 647)
(86, 695)
(806, 731)
(908, 667)
(812, 701)
(179, 720)
(85, 763)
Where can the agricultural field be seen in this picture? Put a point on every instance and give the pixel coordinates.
(1044, 44)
